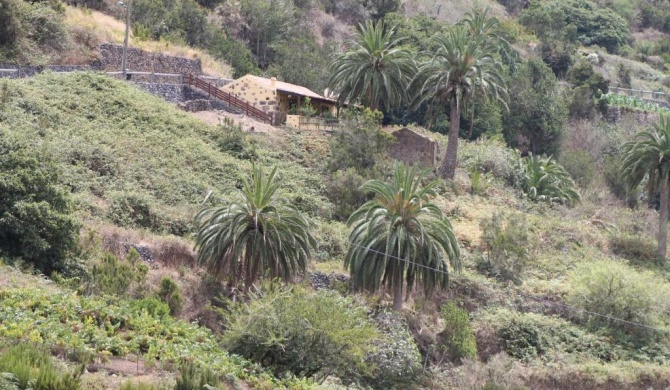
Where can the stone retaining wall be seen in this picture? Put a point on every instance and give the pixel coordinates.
(30, 71)
(143, 61)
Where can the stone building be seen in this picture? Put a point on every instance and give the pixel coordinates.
(271, 95)
(412, 147)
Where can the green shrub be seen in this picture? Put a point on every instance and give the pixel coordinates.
(526, 336)
(232, 139)
(33, 369)
(116, 277)
(396, 362)
(36, 222)
(9, 24)
(132, 210)
(360, 145)
(131, 385)
(614, 289)
(458, 339)
(577, 20)
(638, 249)
(580, 166)
(491, 156)
(507, 244)
(309, 334)
(168, 292)
(192, 378)
(479, 181)
(343, 190)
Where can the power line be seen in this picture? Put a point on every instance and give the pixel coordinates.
(521, 294)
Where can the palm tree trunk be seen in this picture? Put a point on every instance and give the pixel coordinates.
(448, 169)
(397, 290)
(472, 120)
(663, 222)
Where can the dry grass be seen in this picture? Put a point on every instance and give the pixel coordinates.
(452, 11)
(643, 76)
(326, 27)
(106, 28)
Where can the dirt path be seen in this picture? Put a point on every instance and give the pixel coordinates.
(248, 124)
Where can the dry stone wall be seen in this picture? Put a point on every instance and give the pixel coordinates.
(143, 61)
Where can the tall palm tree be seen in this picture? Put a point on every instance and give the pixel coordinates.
(463, 66)
(376, 71)
(649, 157)
(490, 30)
(256, 235)
(400, 237)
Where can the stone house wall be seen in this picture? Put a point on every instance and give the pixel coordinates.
(411, 148)
(248, 89)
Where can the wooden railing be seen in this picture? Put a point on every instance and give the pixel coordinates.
(230, 99)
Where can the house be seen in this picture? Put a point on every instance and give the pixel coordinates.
(277, 97)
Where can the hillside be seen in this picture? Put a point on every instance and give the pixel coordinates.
(144, 247)
(119, 142)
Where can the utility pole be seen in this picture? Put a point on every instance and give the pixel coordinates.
(125, 39)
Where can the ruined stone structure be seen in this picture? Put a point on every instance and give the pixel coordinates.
(412, 147)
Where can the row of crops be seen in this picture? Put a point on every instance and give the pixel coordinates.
(632, 102)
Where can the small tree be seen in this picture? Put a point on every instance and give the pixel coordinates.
(254, 236)
(36, 222)
(400, 237)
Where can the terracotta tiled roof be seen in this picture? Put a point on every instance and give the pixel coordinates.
(289, 88)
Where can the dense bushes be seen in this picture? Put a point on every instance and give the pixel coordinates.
(580, 165)
(639, 249)
(294, 331)
(175, 20)
(526, 336)
(614, 289)
(578, 20)
(36, 224)
(395, 361)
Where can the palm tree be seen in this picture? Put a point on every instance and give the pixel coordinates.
(375, 71)
(545, 180)
(400, 237)
(256, 235)
(463, 66)
(650, 158)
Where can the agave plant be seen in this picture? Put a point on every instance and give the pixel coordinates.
(544, 180)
